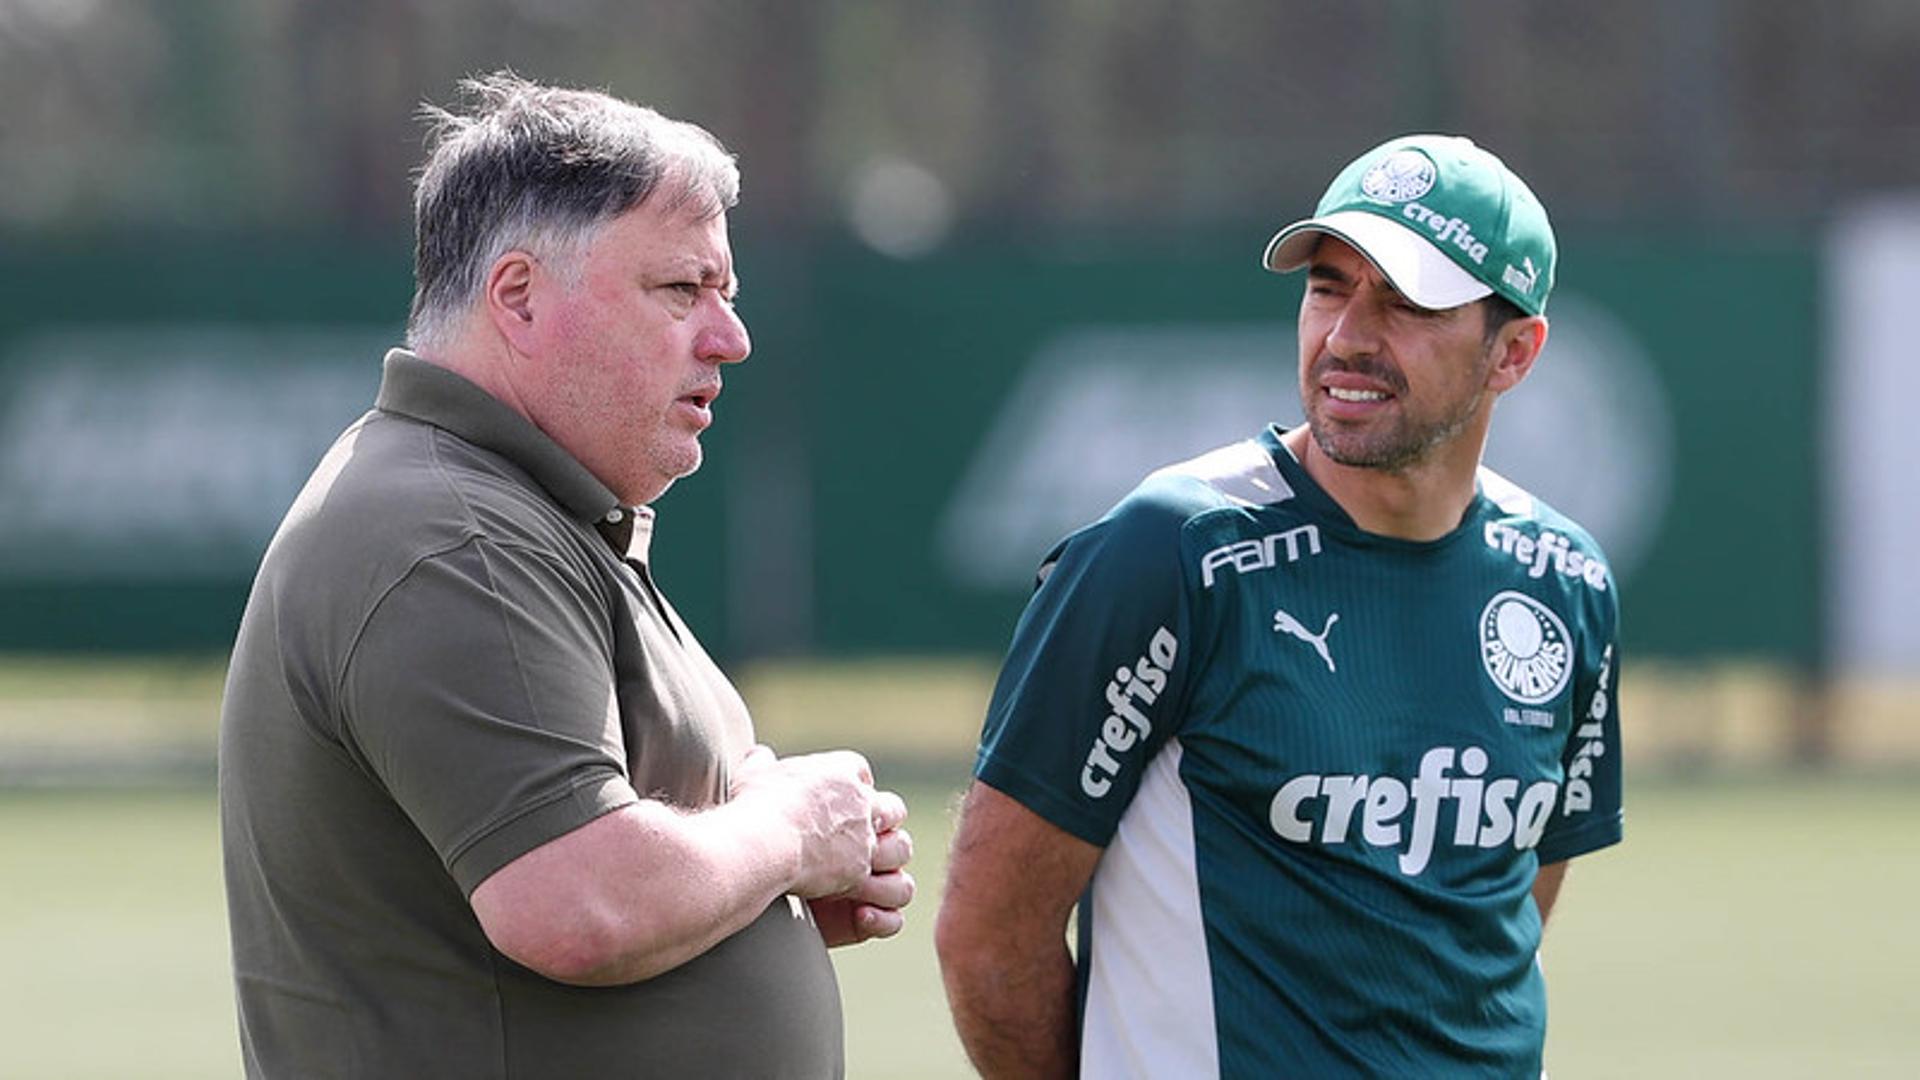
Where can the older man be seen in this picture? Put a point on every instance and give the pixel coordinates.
(488, 808)
(1310, 725)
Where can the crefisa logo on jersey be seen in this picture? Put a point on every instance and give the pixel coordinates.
(1129, 695)
(1525, 648)
(1488, 812)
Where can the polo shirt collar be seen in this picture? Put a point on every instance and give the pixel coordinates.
(628, 530)
(434, 395)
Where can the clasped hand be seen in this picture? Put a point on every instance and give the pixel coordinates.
(853, 847)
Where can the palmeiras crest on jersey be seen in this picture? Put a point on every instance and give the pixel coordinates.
(1524, 647)
(1402, 176)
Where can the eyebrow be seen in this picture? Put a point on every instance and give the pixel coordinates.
(1323, 272)
(709, 275)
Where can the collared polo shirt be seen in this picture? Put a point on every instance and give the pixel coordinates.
(454, 652)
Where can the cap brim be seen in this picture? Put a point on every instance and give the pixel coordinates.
(1420, 271)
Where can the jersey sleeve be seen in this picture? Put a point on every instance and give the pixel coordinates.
(1094, 679)
(1590, 814)
(481, 695)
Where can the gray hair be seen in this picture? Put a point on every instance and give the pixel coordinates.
(537, 168)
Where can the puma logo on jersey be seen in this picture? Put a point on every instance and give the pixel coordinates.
(1287, 624)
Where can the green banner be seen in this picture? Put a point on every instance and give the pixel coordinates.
(909, 437)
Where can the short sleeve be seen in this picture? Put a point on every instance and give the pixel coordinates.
(481, 694)
(1093, 681)
(1590, 814)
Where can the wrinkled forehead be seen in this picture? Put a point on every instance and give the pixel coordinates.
(668, 238)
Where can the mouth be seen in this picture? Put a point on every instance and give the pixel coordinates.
(1352, 399)
(701, 398)
(1357, 388)
(1342, 393)
(699, 405)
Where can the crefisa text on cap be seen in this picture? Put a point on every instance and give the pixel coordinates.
(1447, 229)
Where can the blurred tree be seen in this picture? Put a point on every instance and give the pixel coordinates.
(298, 115)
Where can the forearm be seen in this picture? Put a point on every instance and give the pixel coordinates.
(646, 888)
(1012, 880)
(637, 892)
(694, 881)
(1014, 1010)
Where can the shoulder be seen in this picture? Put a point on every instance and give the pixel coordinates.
(1518, 507)
(1238, 477)
(393, 492)
(1542, 542)
(1241, 474)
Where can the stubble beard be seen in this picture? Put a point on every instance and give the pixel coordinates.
(1393, 444)
(667, 465)
(655, 459)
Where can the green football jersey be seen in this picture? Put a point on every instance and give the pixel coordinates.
(1325, 766)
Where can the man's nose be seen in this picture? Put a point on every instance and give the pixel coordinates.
(1356, 330)
(724, 339)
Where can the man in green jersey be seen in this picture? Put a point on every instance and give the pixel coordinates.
(488, 809)
(1308, 726)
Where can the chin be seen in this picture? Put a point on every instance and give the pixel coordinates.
(1361, 452)
(658, 479)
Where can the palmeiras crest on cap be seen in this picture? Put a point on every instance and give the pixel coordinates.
(1399, 178)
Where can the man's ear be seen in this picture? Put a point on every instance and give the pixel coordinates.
(1515, 350)
(508, 296)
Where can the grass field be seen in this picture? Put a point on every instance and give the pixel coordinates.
(1754, 929)
(1757, 923)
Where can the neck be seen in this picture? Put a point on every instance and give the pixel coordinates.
(1423, 501)
(482, 362)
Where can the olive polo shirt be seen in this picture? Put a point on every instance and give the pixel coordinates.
(446, 662)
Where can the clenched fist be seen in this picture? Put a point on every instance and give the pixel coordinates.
(828, 805)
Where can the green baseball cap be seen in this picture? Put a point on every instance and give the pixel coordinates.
(1444, 220)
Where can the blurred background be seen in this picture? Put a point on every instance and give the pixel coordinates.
(1000, 259)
